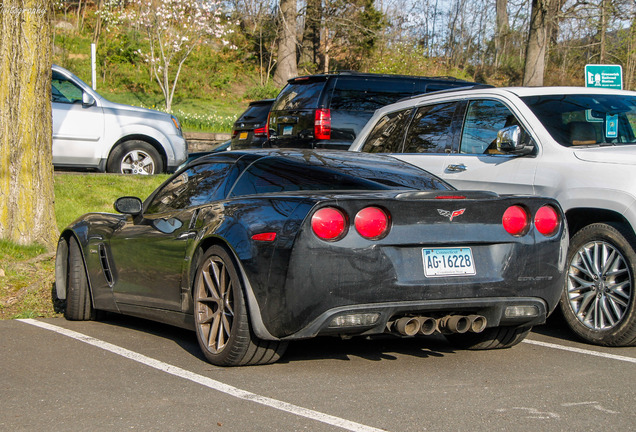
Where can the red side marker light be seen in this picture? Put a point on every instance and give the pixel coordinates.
(265, 237)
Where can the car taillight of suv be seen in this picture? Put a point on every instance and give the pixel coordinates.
(322, 124)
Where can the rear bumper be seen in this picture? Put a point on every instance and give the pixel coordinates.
(493, 309)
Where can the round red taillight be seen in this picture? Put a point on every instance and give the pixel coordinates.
(515, 220)
(547, 220)
(372, 223)
(328, 223)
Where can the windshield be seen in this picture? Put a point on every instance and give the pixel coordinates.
(586, 120)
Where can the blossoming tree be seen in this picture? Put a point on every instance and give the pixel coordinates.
(174, 29)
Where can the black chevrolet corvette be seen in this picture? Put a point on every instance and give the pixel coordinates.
(252, 249)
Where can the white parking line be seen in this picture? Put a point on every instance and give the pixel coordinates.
(581, 351)
(205, 381)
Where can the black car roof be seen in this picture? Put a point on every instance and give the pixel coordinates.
(302, 155)
(354, 74)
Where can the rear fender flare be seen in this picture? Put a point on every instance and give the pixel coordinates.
(255, 317)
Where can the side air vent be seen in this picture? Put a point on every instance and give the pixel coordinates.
(103, 258)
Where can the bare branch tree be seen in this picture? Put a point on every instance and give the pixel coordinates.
(174, 29)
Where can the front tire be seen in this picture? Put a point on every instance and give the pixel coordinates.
(220, 315)
(598, 300)
(79, 306)
(490, 338)
(135, 157)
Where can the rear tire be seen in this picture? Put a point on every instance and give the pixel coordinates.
(135, 157)
(221, 318)
(598, 298)
(490, 338)
(79, 306)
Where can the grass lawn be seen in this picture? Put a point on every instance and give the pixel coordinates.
(27, 273)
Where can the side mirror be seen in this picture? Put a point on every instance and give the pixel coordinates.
(87, 100)
(129, 205)
(513, 140)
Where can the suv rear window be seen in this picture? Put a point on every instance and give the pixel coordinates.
(299, 95)
(369, 94)
(258, 112)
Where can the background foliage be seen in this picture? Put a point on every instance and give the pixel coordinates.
(458, 38)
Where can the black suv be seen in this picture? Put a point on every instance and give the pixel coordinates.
(250, 129)
(329, 110)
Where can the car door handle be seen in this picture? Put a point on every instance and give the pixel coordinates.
(456, 168)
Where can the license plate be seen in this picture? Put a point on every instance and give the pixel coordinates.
(287, 130)
(243, 135)
(448, 262)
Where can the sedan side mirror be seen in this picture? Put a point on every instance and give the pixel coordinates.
(513, 140)
(129, 205)
(87, 100)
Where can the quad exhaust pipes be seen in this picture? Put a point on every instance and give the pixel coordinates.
(410, 326)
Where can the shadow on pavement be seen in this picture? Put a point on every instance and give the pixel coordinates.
(186, 339)
(556, 327)
(377, 348)
(383, 347)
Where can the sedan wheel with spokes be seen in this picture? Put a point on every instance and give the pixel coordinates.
(220, 315)
(137, 162)
(135, 157)
(598, 300)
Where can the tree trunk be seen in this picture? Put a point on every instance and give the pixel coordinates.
(603, 31)
(311, 34)
(98, 22)
(287, 64)
(630, 64)
(26, 172)
(537, 44)
(502, 30)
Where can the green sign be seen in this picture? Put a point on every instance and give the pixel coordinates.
(607, 76)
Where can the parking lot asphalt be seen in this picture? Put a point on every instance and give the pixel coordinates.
(130, 374)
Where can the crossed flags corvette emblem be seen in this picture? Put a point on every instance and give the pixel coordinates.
(450, 214)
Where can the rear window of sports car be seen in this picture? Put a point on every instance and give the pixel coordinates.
(269, 175)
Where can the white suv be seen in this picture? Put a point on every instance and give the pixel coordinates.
(577, 145)
(93, 133)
